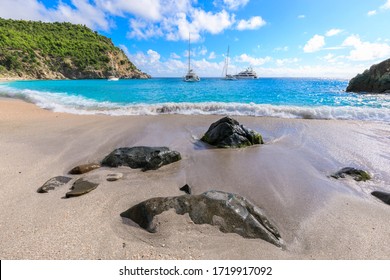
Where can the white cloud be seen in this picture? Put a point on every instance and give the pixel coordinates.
(151, 63)
(253, 61)
(281, 49)
(320, 71)
(301, 16)
(141, 29)
(314, 44)
(282, 62)
(364, 51)
(171, 19)
(386, 6)
(146, 9)
(81, 12)
(180, 25)
(235, 4)
(333, 32)
(212, 55)
(213, 23)
(329, 57)
(153, 56)
(253, 23)
(202, 50)
(32, 9)
(175, 56)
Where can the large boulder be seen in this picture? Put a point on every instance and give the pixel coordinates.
(230, 212)
(374, 80)
(228, 133)
(147, 158)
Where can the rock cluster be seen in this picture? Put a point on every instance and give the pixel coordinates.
(229, 133)
(230, 212)
(374, 80)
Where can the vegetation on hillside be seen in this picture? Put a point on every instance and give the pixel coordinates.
(62, 47)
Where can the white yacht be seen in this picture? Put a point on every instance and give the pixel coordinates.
(191, 76)
(114, 76)
(113, 79)
(227, 76)
(249, 73)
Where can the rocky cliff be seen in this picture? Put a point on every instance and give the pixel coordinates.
(374, 80)
(37, 50)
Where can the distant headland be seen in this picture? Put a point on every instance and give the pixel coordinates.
(38, 50)
(373, 80)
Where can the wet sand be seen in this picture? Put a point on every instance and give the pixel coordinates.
(318, 217)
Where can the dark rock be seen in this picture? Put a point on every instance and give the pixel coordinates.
(230, 212)
(374, 80)
(81, 187)
(356, 174)
(186, 188)
(147, 158)
(84, 168)
(385, 197)
(53, 183)
(228, 133)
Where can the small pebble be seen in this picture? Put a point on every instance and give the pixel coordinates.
(114, 176)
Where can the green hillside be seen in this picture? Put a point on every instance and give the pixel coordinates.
(59, 50)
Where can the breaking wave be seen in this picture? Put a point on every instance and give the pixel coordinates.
(62, 102)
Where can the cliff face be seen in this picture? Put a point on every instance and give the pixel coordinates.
(36, 50)
(374, 80)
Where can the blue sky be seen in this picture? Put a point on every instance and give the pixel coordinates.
(278, 38)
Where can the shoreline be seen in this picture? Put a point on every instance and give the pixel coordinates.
(319, 217)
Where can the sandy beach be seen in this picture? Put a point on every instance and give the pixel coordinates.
(318, 217)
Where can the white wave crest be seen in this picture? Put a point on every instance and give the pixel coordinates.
(61, 102)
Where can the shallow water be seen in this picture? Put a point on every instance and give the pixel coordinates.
(277, 97)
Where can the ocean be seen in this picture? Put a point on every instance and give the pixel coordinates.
(275, 97)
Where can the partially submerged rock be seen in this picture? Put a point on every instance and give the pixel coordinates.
(385, 197)
(230, 212)
(147, 158)
(356, 174)
(80, 187)
(53, 183)
(374, 80)
(228, 133)
(84, 168)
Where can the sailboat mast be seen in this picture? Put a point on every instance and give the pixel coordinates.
(189, 52)
(227, 61)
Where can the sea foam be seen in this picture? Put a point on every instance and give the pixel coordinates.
(75, 104)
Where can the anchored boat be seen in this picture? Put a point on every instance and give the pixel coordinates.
(249, 73)
(191, 76)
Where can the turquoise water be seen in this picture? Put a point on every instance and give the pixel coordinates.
(278, 97)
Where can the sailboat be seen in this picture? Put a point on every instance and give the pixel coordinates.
(227, 76)
(191, 75)
(113, 77)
